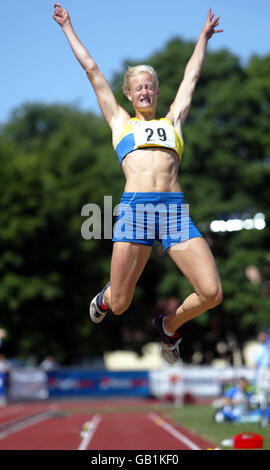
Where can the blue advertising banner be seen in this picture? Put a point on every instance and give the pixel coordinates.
(98, 383)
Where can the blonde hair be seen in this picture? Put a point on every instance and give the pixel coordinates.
(136, 70)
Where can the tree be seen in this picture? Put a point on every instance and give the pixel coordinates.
(53, 163)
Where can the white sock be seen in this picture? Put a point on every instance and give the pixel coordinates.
(168, 333)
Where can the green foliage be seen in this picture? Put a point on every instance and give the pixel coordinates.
(52, 161)
(200, 420)
(55, 159)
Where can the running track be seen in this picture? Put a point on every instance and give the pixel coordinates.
(107, 425)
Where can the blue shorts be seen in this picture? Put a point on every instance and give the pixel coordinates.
(145, 217)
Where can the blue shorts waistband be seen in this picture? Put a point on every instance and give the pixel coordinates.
(152, 197)
(153, 193)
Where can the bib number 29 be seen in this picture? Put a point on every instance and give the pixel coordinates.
(151, 137)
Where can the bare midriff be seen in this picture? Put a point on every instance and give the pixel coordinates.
(151, 170)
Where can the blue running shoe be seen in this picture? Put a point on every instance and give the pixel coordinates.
(169, 344)
(97, 309)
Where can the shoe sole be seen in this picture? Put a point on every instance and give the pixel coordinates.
(92, 311)
(166, 354)
(165, 347)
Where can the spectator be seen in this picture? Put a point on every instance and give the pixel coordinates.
(4, 364)
(262, 374)
(261, 353)
(235, 402)
(49, 364)
(5, 369)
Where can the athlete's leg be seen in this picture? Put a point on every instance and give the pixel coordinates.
(127, 264)
(194, 258)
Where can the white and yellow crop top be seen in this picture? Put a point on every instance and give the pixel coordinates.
(142, 134)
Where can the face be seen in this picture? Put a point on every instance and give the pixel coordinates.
(262, 336)
(143, 92)
(243, 384)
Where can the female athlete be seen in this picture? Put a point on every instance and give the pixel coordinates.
(152, 206)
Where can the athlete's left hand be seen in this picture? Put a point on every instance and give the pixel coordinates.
(211, 24)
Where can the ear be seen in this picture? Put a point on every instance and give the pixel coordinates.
(128, 95)
(158, 91)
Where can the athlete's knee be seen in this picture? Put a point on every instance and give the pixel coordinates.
(212, 295)
(218, 297)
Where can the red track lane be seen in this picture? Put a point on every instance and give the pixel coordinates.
(52, 434)
(113, 430)
(137, 431)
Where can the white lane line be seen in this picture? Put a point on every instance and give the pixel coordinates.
(174, 432)
(91, 428)
(26, 423)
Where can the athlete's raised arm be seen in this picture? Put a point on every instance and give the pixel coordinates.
(112, 112)
(181, 105)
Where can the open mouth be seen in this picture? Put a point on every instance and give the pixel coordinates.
(145, 101)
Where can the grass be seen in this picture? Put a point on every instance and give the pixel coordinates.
(199, 419)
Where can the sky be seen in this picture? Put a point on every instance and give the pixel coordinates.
(37, 64)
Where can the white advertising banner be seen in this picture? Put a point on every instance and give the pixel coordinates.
(200, 381)
(28, 383)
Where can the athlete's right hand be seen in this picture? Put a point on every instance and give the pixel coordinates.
(60, 15)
